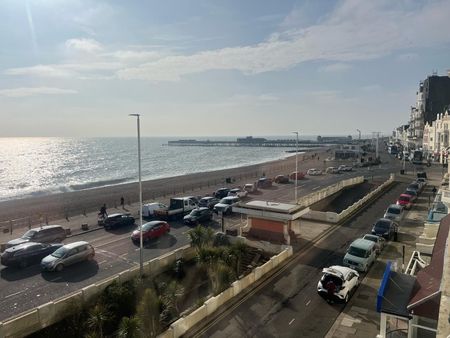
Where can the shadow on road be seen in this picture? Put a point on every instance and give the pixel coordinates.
(13, 274)
(74, 273)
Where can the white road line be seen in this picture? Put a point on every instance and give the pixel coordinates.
(316, 187)
(104, 261)
(309, 301)
(123, 255)
(292, 320)
(15, 294)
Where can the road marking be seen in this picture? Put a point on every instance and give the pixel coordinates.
(316, 187)
(123, 255)
(292, 320)
(55, 279)
(309, 301)
(104, 261)
(15, 294)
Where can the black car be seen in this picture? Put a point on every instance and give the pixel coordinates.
(118, 220)
(28, 253)
(208, 202)
(385, 228)
(198, 215)
(414, 186)
(221, 193)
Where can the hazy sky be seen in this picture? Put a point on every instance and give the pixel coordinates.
(214, 67)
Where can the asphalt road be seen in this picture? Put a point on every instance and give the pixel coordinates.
(23, 289)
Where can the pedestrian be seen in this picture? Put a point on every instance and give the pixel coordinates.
(434, 191)
(103, 212)
(122, 202)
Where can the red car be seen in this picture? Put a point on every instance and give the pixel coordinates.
(405, 201)
(300, 175)
(150, 230)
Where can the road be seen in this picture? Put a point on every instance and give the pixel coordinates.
(23, 289)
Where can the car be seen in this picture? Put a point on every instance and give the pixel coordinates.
(338, 283)
(250, 187)
(332, 170)
(118, 220)
(264, 182)
(281, 179)
(208, 202)
(226, 204)
(150, 230)
(404, 201)
(198, 215)
(148, 210)
(394, 212)
(379, 241)
(67, 255)
(385, 228)
(412, 194)
(422, 182)
(414, 186)
(221, 193)
(345, 167)
(44, 234)
(238, 192)
(300, 175)
(360, 255)
(314, 172)
(28, 253)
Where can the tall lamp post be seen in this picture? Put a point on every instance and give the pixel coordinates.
(141, 252)
(296, 165)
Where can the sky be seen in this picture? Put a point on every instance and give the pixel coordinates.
(212, 68)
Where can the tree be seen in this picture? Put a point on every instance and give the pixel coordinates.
(129, 327)
(238, 250)
(201, 237)
(148, 313)
(97, 316)
(169, 295)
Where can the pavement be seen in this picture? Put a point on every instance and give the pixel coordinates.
(359, 317)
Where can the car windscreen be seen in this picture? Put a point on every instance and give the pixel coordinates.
(29, 234)
(404, 198)
(395, 211)
(195, 213)
(371, 238)
(149, 226)
(358, 252)
(61, 252)
(225, 201)
(382, 225)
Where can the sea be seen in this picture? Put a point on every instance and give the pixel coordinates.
(41, 166)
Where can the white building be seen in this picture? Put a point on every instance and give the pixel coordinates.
(436, 137)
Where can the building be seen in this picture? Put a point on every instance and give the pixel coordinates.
(436, 137)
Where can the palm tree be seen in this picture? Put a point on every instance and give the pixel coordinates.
(238, 250)
(129, 327)
(97, 316)
(201, 237)
(148, 313)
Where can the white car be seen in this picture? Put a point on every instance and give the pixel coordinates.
(148, 210)
(249, 187)
(344, 167)
(226, 204)
(314, 172)
(394, 212)
(338, 283)
(238, 192)
(379, 241)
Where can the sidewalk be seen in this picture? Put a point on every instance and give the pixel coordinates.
(359, 317)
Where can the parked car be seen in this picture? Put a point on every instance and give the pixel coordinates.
(300, 175)
(249, 187)
(221, 193)
(412, 194)
(379, 242)
(345, 167)
(264, 182)
(226, 204)
(26, 254)
(67, 255)
(150, 230)
(282, 179)
(238, 192)
(338, 283)
(361, 254)
(385, 228)
(404, 201)
(394, 212)
(118, 220)
(422, 182)
(198, 215)
(208, 202)
(414, 186)
(314, 172)
(148, 210)
(44, 234)
(332, 170)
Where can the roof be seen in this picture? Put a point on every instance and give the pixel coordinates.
(46, 227)
(338, 270)
(425, 298)
(362, 243)
(75, 244)
(273, 206)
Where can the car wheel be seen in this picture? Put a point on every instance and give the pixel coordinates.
(59, 267)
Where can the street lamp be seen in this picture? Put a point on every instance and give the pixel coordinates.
(141, 252)
(296, 165)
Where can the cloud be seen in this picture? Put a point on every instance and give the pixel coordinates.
(33, 91)
(335, 68)
(84, 45)
(407, 57)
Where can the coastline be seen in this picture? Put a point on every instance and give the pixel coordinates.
(67, 204)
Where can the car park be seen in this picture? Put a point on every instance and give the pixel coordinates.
(385, 228)
(197, 216)
(208, 202)
(118, 220)
(344, 167)
(360, 255)
(238, 192)
(28, 253)
(314, 172)
(67, 255)
(404, 201)
(332, 170)
(148, 209)
(394, 212)
(379, 241)
(299, 174)
(337, 283)
(226, 204)
(221, 193)
(44, 234)
(150, 230)
(281, 179)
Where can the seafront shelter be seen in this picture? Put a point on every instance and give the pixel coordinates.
(270, 221)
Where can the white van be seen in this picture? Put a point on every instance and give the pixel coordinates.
(148, 210)
(361, 254)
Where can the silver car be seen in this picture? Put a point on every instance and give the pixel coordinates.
(394, 212)
(67, 255)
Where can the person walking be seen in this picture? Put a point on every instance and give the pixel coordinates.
(103, 212)
(122, 202)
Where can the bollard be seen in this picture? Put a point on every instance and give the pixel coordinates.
(29, 222)
(10, 227)
(84, 212)
(46, 219)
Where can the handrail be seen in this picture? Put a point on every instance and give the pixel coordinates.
(414, 261)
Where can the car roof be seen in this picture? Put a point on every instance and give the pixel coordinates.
(370, 236)
(153, 223)
(362, 243)
(337, 270)
(405, 195)
(207, 198)
(394, 206)
(235, 189)
(116, 215)
(75, 244)
(46, 227)
(22, 246)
